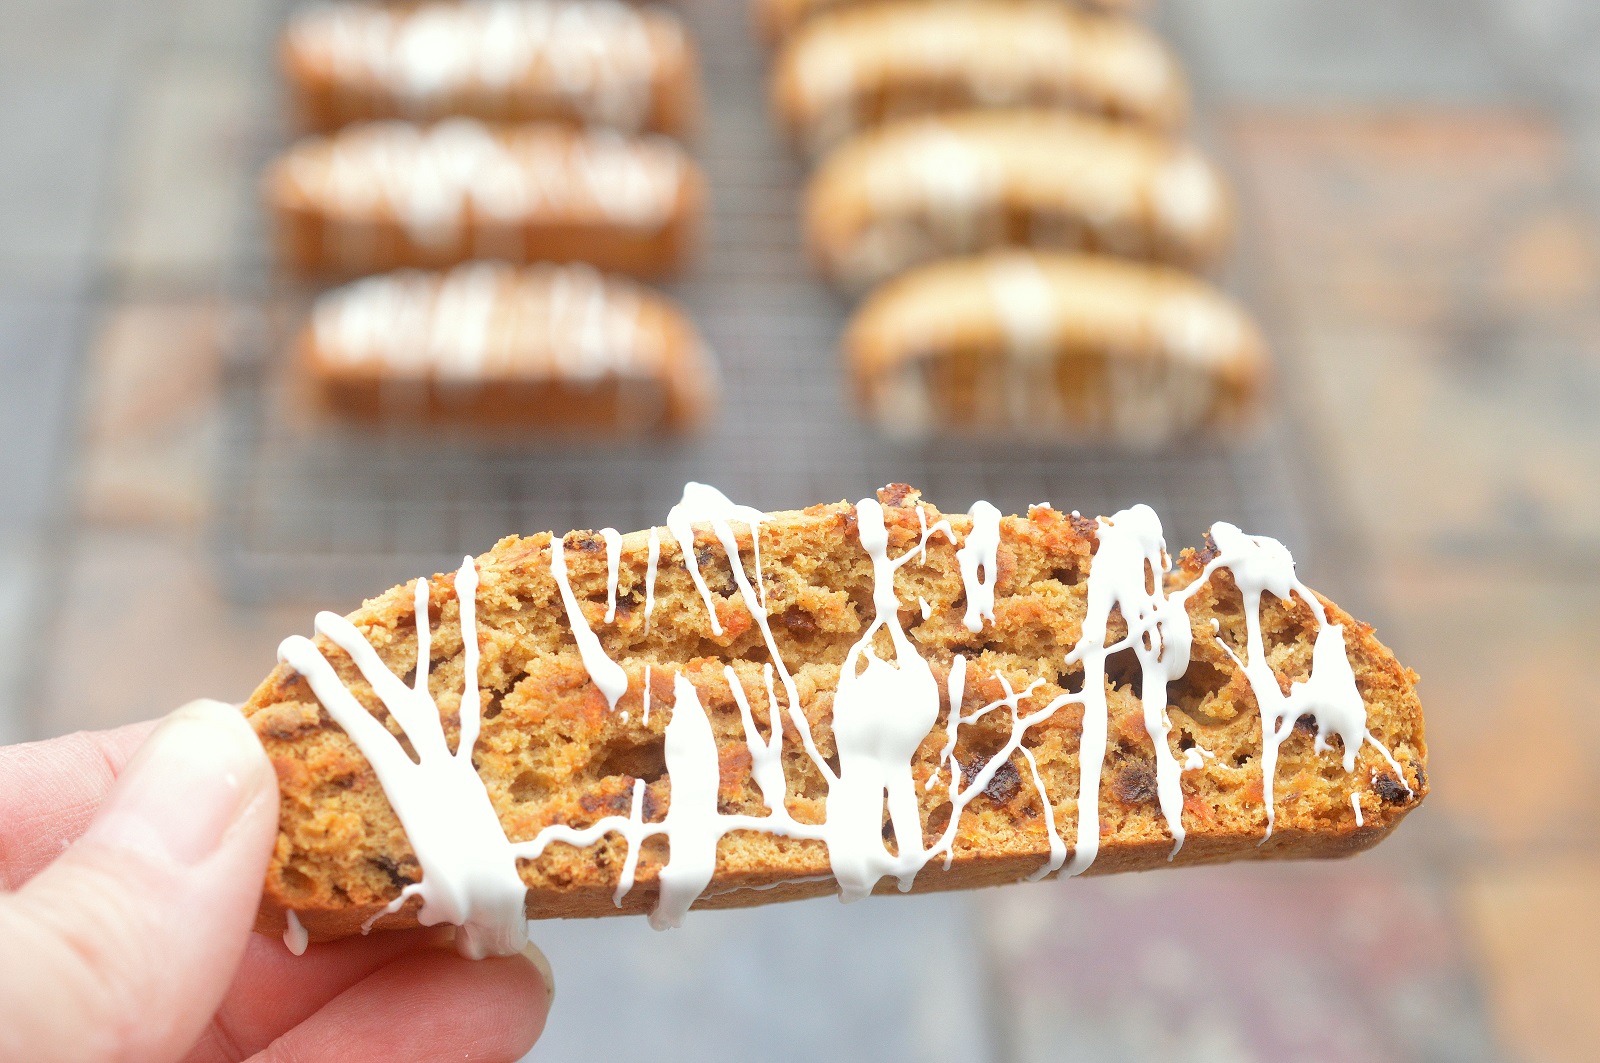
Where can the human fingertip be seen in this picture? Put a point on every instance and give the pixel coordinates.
(541, 963)
(197, 774)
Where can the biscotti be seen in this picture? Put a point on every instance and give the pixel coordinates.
(745, 707)
(585, 62)
(387, 195)
(776, 19)
(861, 66)
(1049, 344)
(534, 349)
(970, 181)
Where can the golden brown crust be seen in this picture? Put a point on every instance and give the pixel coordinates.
(970, 181)
(327, 95)
(552, 752)
(861, 66)
(1054, 343)
(320, 233)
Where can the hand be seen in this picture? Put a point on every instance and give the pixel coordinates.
(127, 892)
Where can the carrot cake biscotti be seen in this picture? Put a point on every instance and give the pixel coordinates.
(535, 348)
(384, 195)
(744, 707)
(861, 66)
(973, 180)
(1051, 344)
(586, 62)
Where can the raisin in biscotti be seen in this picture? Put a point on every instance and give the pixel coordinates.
(959, 701)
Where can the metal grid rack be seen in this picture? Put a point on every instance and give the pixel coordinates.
(314, 509)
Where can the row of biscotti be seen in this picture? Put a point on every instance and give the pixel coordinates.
(478, 135)
(1004, 178)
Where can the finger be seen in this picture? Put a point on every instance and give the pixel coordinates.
(275, 990)
(49, 792)
(423, 1007)
(133, 935)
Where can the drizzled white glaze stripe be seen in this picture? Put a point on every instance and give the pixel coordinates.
(883, 710)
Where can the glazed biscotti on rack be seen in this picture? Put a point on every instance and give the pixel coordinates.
(953, 184)
(584, 62)
(851, 69)
(745, 707)
(776, 19)
(541, 348)
(1051, 344)
(385, 195)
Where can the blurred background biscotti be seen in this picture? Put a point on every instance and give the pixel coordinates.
(1416, 233)
(457, 135)
(585, 62)
(942, 129)
(382, 195)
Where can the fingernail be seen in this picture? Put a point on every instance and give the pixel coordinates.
(542, 963)
(190, 781)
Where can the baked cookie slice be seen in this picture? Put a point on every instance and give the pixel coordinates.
(532, 349)
(776, 19)
(583, 62)
(1051, 344)
(744, 707)
(968, 181)
(861, 66)
(387, 195)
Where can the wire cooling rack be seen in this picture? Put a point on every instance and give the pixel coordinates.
(310, 508)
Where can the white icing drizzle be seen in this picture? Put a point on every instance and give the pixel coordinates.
(295, 938)
(922, 603)
(469, 869)
(979, 567)
(435, 178)
(595, 58)
(613, 540)
(606, 673)
(883, 710)
(653, 559)
(1355, 803)
(1329, 694)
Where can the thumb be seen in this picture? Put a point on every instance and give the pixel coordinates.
(123, 948)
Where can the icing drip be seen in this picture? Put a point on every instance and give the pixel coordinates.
(469, 870)
(1355, 803)
(1329, 694)
(606, 673)
(295, 938)
(979, 567)
(881, 713)
(883, 710)
(613, 540)
(654, 558)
